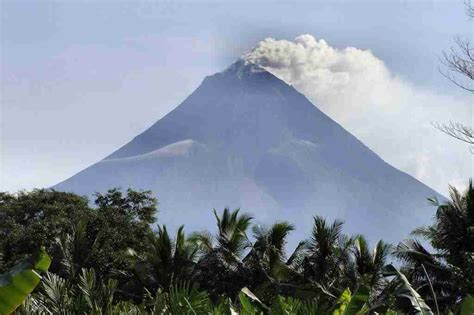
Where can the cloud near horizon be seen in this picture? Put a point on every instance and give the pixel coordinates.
(390, 115)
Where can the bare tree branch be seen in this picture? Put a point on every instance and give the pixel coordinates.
(469, 9)
(457, 130)
(458, 67)
(459, 61)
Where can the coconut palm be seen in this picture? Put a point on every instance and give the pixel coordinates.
(452, 234)
(167, 260)
(232, 235)
(369, 264)
(428, 273)
(447, 275)
(271, 272)
(220, 269)
(268, 250)
(328, 262)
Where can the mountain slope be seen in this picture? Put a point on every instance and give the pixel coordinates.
(246, 139)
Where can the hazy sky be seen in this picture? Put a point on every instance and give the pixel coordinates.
(81, 78)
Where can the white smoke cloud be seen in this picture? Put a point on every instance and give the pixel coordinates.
(393, 117)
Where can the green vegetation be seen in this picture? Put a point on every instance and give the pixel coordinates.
(108, 259)
(18, 282)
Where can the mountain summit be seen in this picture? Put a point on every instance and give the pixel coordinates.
(246, 139)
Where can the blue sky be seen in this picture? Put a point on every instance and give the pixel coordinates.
(81, 78)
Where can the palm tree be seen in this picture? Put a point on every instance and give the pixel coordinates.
(328, 264)
(369, 264)
(447, 275)
(268, 249)
(167, 261)
(452, 234)
(428, 273)
(75, 249)
(267, 260)
(88, 294)
(232, 237)
(220, 269)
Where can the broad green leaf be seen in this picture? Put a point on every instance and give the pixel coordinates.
(349, 304)
(246, 305)
(252, 297)
(250, 304)
(21, 280)
(342, 302)
(357, 303)
(467, 306)
(406, 291)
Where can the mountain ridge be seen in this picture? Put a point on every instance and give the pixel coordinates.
(244, 138)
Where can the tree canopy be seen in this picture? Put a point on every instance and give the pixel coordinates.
(108, 258)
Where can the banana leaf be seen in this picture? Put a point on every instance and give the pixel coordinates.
(21, 280)
(352, 304)
(467, 306)
(406, 292)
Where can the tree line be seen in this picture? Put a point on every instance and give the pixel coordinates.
(110, 258)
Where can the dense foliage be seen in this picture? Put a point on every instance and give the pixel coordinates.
(108, 259)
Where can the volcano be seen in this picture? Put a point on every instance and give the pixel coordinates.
(246, 139)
